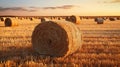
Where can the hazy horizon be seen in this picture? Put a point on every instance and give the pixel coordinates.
(60, 7)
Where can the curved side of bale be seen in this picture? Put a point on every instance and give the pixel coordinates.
(75, 19)
(10, 22)
(56, 38)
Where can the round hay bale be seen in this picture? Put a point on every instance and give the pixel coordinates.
(10, 22)
(56, 38)
(20, 18)
(74, 19)
(81, 18)
(67, 18)
(26, 17)
(118, 18)
(95, 19)
(59, 18)
(99, 20)
(104, 18)
(31, 19)
(1, 18)
(86, 17)
(112, 19)
(44, 19)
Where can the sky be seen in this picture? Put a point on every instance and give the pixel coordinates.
(60, 7)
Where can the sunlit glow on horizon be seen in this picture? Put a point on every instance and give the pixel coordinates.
(60, 7)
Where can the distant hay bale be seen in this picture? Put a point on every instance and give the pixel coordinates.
(56, 38)
(1, 18)
(26, 17)
(51, 18)
(86, 18)
(31, 19)
(59, 18)
(44, 19)
(99, 20)
(67, 18)
(10, 22)
(95, 19)
(118, 18)
(112, 19)
(74, 19)
(20, 18)
(104, 18)
(81, 18)
(55, 18)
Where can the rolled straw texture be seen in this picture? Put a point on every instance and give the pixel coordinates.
(56, 38)
(10, 22)
(75, 19)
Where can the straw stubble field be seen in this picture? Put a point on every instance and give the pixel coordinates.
(100, 46)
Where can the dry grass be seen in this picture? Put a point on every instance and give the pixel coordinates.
(101, 46)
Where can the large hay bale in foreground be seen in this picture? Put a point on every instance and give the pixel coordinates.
(56, 38)
(74, 19)
(10, 22)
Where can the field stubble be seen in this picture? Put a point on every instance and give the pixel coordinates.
(101, 46)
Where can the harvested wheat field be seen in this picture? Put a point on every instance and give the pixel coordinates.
(100, 46)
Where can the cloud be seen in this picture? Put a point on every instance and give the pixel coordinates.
(60, 7)
(55, 7)
(115, 1)
(112, 1)
(16, 9)
(33, 9)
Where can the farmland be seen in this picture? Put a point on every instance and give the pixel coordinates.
(100, 46)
